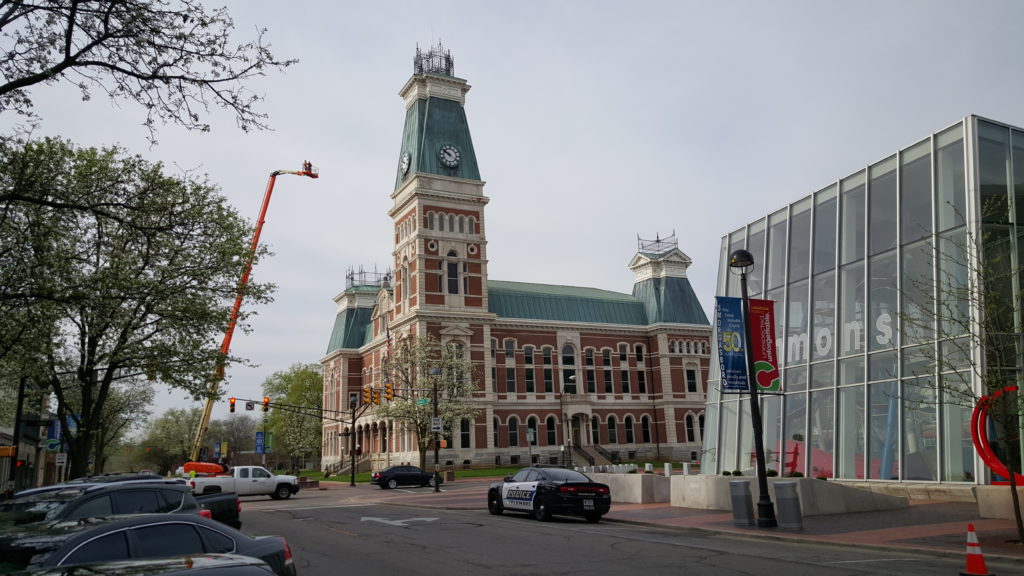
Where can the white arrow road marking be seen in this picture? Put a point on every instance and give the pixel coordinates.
(401, 523)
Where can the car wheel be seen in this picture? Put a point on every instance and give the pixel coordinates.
(274, 496)
(392, 483)
(283, 492)
(431, 481)
(541, 511)
(593, 518)
(494, 502)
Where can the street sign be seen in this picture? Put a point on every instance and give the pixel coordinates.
(436, 424)
(62, 458)
(423, 401)
(250, 406)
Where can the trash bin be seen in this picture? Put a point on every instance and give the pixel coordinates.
(449, 475)
(790, 516)
(742, 503)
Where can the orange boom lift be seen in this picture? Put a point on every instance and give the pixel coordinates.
(218, 372)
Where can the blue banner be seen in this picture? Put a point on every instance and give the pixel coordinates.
(732, 361)
(259, 442)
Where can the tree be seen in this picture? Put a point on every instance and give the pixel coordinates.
(175, 58)
(421, 369)
(138, 290)
(169, 438)
(126, 407)
(297, 402)
(968, 333)
(238, 430)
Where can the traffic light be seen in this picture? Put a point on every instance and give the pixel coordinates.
(266, 404)
(376, 396)
(389, 391)
(231, 403)
(21, 464)
(367, 395)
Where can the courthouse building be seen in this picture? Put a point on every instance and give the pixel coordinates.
(588, 374)
(871, 278)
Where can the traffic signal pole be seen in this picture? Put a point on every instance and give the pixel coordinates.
(218, 372)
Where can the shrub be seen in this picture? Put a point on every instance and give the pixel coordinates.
(726, 473)
(795, 474)
(737, 473)
(771, 472)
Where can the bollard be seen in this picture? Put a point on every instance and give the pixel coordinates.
(742, 503)
(668, 469)
(648, 468)
(788, 501)
(686, 468)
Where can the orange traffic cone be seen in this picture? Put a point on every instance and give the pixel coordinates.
(975, 559)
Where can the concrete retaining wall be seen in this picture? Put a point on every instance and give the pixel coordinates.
(635, 488)
(997, 501)
(817, 497)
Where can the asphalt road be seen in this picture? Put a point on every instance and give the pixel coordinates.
(331, 535)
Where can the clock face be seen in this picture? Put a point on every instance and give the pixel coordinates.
(404, 164)
(449, 156)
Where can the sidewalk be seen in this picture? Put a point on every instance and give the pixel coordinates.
(935, 527)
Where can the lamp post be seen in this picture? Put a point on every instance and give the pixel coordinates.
(567, 428)
(744, 260)
(435, 372)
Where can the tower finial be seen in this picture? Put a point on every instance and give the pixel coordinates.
(437, 60)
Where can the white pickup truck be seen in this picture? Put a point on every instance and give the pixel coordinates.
(247, 481)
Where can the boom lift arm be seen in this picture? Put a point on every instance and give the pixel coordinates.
(218, 372)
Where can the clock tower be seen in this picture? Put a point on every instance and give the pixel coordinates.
(440, 248)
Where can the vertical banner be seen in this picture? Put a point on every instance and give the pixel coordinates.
(216, 450)
(731, 360)
(765, 355)
(259, 442)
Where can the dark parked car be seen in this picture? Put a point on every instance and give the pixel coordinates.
(543, 491)
(82, 500)
(396, 476)
(46, 545)
(207, 564)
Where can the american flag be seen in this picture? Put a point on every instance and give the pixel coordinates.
(387, 330)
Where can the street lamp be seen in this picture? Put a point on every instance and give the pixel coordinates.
(567, 424)
(435, 372)
(744, 260)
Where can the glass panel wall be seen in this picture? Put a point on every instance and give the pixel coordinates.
(795, 431)
(994, 172)
(882, 207)
(883, 431)
(851, 309)
(920, 435)
(916, 193)
(825, 210)
(882, 299)
(755, 245)
(821, 433)
(776, 264)
(851, 242)
(797, 341)
(850, 462)
(800, 240)
(951, 178)
(823, 297)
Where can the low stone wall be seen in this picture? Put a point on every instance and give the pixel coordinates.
(635, 488)
(997, 501)
(817, 497)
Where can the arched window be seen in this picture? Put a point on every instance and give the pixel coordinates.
(613, 437)
(689, 429)
(453, 272)
(569, 369)
(672, 346)
(472, 225)
(645, 430)
(595, 429)
(700, 424)
(462, 224)
(430, 220)
(552, 431)
(440, 222)
(513, 431)
(531, 431)
(496, 426)
(628, 423)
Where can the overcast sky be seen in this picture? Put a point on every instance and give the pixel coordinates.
(593, 122)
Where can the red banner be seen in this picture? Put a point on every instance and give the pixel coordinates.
(762, 342)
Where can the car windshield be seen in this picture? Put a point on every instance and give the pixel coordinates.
(36, 507)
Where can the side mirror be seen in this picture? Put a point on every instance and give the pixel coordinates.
(508, 478)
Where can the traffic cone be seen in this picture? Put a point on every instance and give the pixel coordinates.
(975, 559)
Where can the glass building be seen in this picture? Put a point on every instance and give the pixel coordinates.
(876, 328)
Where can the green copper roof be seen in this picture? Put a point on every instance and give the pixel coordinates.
(563, 303)
(670, 300)
(431, 123)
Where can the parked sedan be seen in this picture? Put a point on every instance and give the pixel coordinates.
(190, 565)
(396, 476)
(87, 541)
(543, 491)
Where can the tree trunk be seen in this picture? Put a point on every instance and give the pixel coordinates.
(1015, 499)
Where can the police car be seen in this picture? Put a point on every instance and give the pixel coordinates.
(544, 491)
